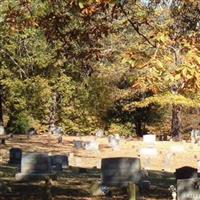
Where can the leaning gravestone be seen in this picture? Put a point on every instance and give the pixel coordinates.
(35, 166)
(58, 162)
(15, 156)
(188, 189)
(120, 171)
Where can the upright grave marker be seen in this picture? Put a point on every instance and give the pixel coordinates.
(35, 166)
(15, 156)
(188, 189)
(120, 171)
(58, 162)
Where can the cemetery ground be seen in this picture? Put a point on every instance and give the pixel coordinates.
(75, 182)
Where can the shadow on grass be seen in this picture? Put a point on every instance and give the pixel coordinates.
(75, 185)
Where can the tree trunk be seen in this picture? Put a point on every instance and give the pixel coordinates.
(176, 122)
(1, 106)
(52, 117)
(138, 128)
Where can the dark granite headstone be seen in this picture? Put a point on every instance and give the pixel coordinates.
(188, 189)
(35, 165)
(120, 171)
(186, 172)
(15, 156)
(59, 161)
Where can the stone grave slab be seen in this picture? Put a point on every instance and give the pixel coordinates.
(15, 156)
(35, 166)
(120, 171)
(188, 189)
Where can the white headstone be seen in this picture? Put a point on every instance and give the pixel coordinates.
(92, 146)
(149, 140)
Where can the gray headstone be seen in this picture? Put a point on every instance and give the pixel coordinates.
(78, 144)
(15, 156)
(59, 161)
(120, 171)
(188, 189)
(35, 165)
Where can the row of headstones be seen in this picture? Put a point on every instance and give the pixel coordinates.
(37, 164)
(93, 145)
(115, 171)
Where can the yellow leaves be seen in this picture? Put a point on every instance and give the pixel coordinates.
(165, 99)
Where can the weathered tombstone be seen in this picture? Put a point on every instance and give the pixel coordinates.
(188, 189)
(58, 162)
(186, 172)
(15, 156)
(91, 146)
(35, 166)
(78, 144)
(120, 171)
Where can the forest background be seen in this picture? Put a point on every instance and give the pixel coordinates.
(125, 66)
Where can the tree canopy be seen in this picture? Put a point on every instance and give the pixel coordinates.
(73, 63)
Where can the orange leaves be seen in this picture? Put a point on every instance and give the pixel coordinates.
(90, 10)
